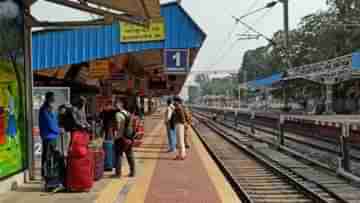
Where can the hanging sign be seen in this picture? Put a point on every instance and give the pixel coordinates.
(99, 69)
(120, 85)
(117, 70)
(176, 60)
(330, 71)
(135, 33)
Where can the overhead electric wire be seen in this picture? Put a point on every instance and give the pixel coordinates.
(228, 51)
(231, 32)
(258, 20)
(222, 52)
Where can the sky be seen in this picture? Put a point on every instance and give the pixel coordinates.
(220, 50)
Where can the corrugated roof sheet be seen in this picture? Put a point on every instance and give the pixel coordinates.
(132, 7)
(265, 82)
(59, 48)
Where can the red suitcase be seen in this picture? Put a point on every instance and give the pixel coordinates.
(80, 164)
(79, 144)
(80, 173)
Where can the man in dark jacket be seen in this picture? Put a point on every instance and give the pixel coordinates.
(49, 129)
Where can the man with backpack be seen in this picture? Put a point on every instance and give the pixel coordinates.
(123, 139)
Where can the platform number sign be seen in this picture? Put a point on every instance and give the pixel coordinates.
(176, 60)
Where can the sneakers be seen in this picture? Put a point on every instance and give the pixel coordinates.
(60, 188)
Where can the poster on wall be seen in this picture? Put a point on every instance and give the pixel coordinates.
(12, 115)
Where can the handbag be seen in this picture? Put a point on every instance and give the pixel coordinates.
(125, 143)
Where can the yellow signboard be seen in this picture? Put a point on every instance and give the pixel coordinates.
(99, 69)
(135, 33)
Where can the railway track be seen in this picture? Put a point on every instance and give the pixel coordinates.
(260, 179)
(314, 142)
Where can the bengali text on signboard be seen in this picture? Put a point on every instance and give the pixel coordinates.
(99, 69)
(135, 33)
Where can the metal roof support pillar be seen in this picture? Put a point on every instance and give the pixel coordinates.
(28, 92)
(344, 162)
(281, 140)
(329, 98)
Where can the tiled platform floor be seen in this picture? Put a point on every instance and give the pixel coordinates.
(159, 179)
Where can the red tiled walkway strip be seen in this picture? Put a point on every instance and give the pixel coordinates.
(181, 181)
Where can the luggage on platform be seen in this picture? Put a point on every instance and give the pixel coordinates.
(79, 144)
(80, 173)
(54, 169)
(109, 155)
(80, 163)
(99, 159)
(139, 134)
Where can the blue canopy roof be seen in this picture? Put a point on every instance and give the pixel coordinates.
(356, 61)
(265, 82)
(52, 49)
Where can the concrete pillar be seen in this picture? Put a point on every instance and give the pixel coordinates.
(329, 99)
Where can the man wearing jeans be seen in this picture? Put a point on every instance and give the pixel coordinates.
(124, 120)
(170, 126)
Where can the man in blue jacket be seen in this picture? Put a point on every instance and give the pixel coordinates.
(49, 128)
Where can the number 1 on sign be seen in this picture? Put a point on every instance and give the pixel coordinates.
(177, 58)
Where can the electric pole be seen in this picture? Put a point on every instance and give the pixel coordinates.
(287, 46)
(286, 30)
(246, 88)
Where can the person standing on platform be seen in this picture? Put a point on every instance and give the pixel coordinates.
(188, 119)
(124, 121)
(180, 121)
(170, 125)
(49, 133)
(79, 114)
(107, 121)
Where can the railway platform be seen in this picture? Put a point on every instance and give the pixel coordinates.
(159, 179)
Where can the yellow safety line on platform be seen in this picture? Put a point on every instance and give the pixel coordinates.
(111, 192)
(137, 194)
(224, 189)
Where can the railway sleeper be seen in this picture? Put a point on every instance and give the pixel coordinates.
(272, 182)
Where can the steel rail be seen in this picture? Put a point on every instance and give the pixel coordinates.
(286, 151)
(275, 169)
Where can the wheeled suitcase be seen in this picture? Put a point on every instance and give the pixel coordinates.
(80, 173)
(98, 156)
(80, 163)
(109, 155)
(79, 144)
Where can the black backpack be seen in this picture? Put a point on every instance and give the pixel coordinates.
(129, 132)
